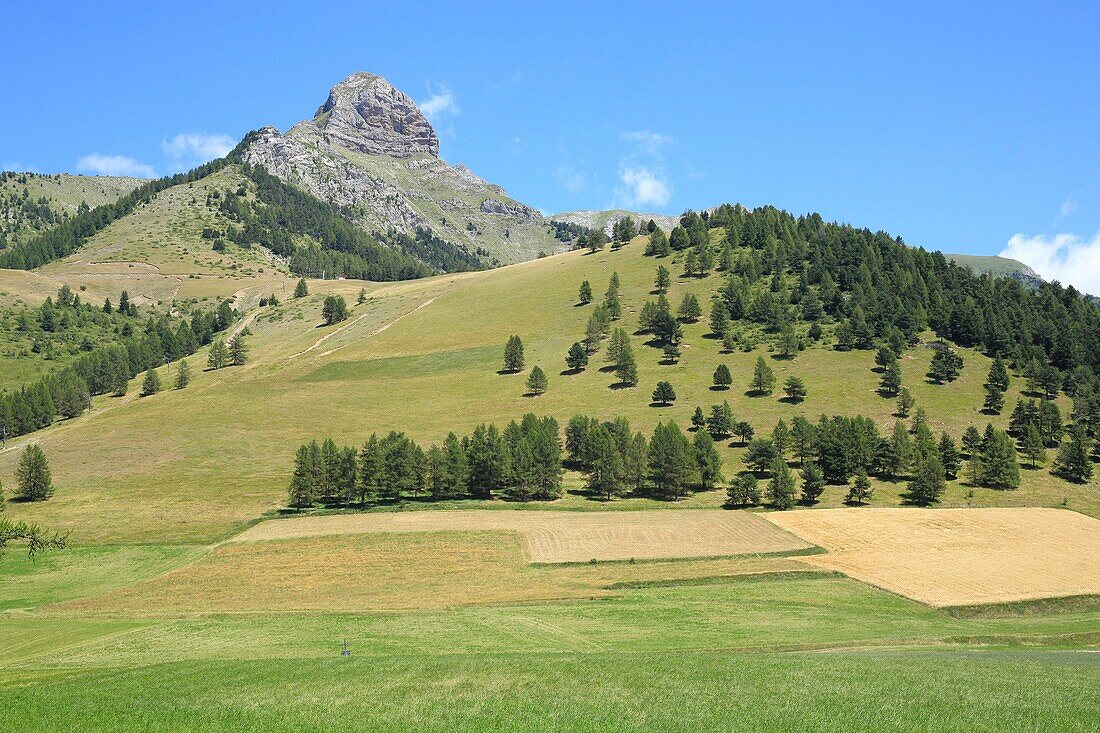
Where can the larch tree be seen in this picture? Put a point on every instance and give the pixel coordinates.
(33, 475)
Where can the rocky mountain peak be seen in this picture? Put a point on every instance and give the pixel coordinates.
(366, 113)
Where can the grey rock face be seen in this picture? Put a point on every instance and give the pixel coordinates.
(366, 113)
(372, 152)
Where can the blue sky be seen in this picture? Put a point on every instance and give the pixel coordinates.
(968, 129)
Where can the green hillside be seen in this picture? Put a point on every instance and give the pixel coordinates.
(32, 203)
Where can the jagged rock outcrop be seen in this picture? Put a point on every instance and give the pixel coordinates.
(366, 113)
(369, 149)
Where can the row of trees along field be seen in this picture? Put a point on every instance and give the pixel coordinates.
(525, 461)
(132, 347)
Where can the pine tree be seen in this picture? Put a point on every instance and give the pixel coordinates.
(720, 323)
(781, 488)
(813, 484)
(219, 355)
(584, 296)
(860, 491)
(577, 358)
(369, 473)
(457, 467)
(1073, 462)
(238, 352)
(707, 460)
(720, 424)
(663, 281)
(513, 354)
(301, 290)
(151, 384)
(671, 461)
(722, 377)
(998, 375)
(359, 300)
(1032, 446)
(664, 394)
(794, 389)
(671, 353)
(900, 453)
(689, 310)
(905, 402)
(994, 400)
(743, 491)
(334, 309)
(183, 374)
(33, 475)
(606, 473)
(626, 370)
(698, 421)
(946, 365)
(891, 379)
(300, 492)
(928, 483)
(999, 469)
(763, 378)
(536, 381)
(949, 456)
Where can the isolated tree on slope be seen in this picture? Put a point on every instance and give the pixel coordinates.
(536, 381)
(301, 290)
(513, 354)
(183, 374)
(33, 475)
(151, 384)
(238, 352)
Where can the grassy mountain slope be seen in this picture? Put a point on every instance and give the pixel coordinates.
(422, 356)
(996, 266)
(49, 199)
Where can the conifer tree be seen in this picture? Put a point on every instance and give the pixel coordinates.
(606, 473)
(722, 378)
(900, 454)
(946, 365)
(301, 290)
(707, 461)
(743, 491)
(151, 384)
(663, 281)
(813, 483)
(1073, 462)
(999, 469)
(664, 394)
(994, 400)
(689, 310)
(720, 424)
(183, 374)
(670, 461)
(577, 358)
(360, 299)
(928, 482)
(219, 355)
(300, 492)
(905, 402)
(698, 421)
(794, 389)
(949, 456)
(1032, 446)
(369, 474)
(763, 378)
(860, 491)
(513, 354)
(457, 467)
(238, 352)
(891, 380)
(781, 487)
(32, 474)
(998, 375)
(671, 352)
(720, 323)
(536, 381)
(584, 296)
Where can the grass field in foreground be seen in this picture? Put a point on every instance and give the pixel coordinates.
(902, 691)
(422, 357)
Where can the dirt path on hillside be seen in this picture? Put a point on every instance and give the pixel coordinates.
(342, 329)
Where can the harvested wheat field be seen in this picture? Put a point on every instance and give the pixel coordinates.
(955, 557)
(555, 537)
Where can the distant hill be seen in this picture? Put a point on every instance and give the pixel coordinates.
(997, 266)
(32, 203)
(607, 219)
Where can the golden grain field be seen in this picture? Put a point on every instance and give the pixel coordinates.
(556, 536)
(953, 557)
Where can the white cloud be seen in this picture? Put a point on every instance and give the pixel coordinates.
(440, 104)
(1069, 207)
(114, 165)
(644, 187)
(570, 180)
(197, 148)
(647, 141)
(1066, 258)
